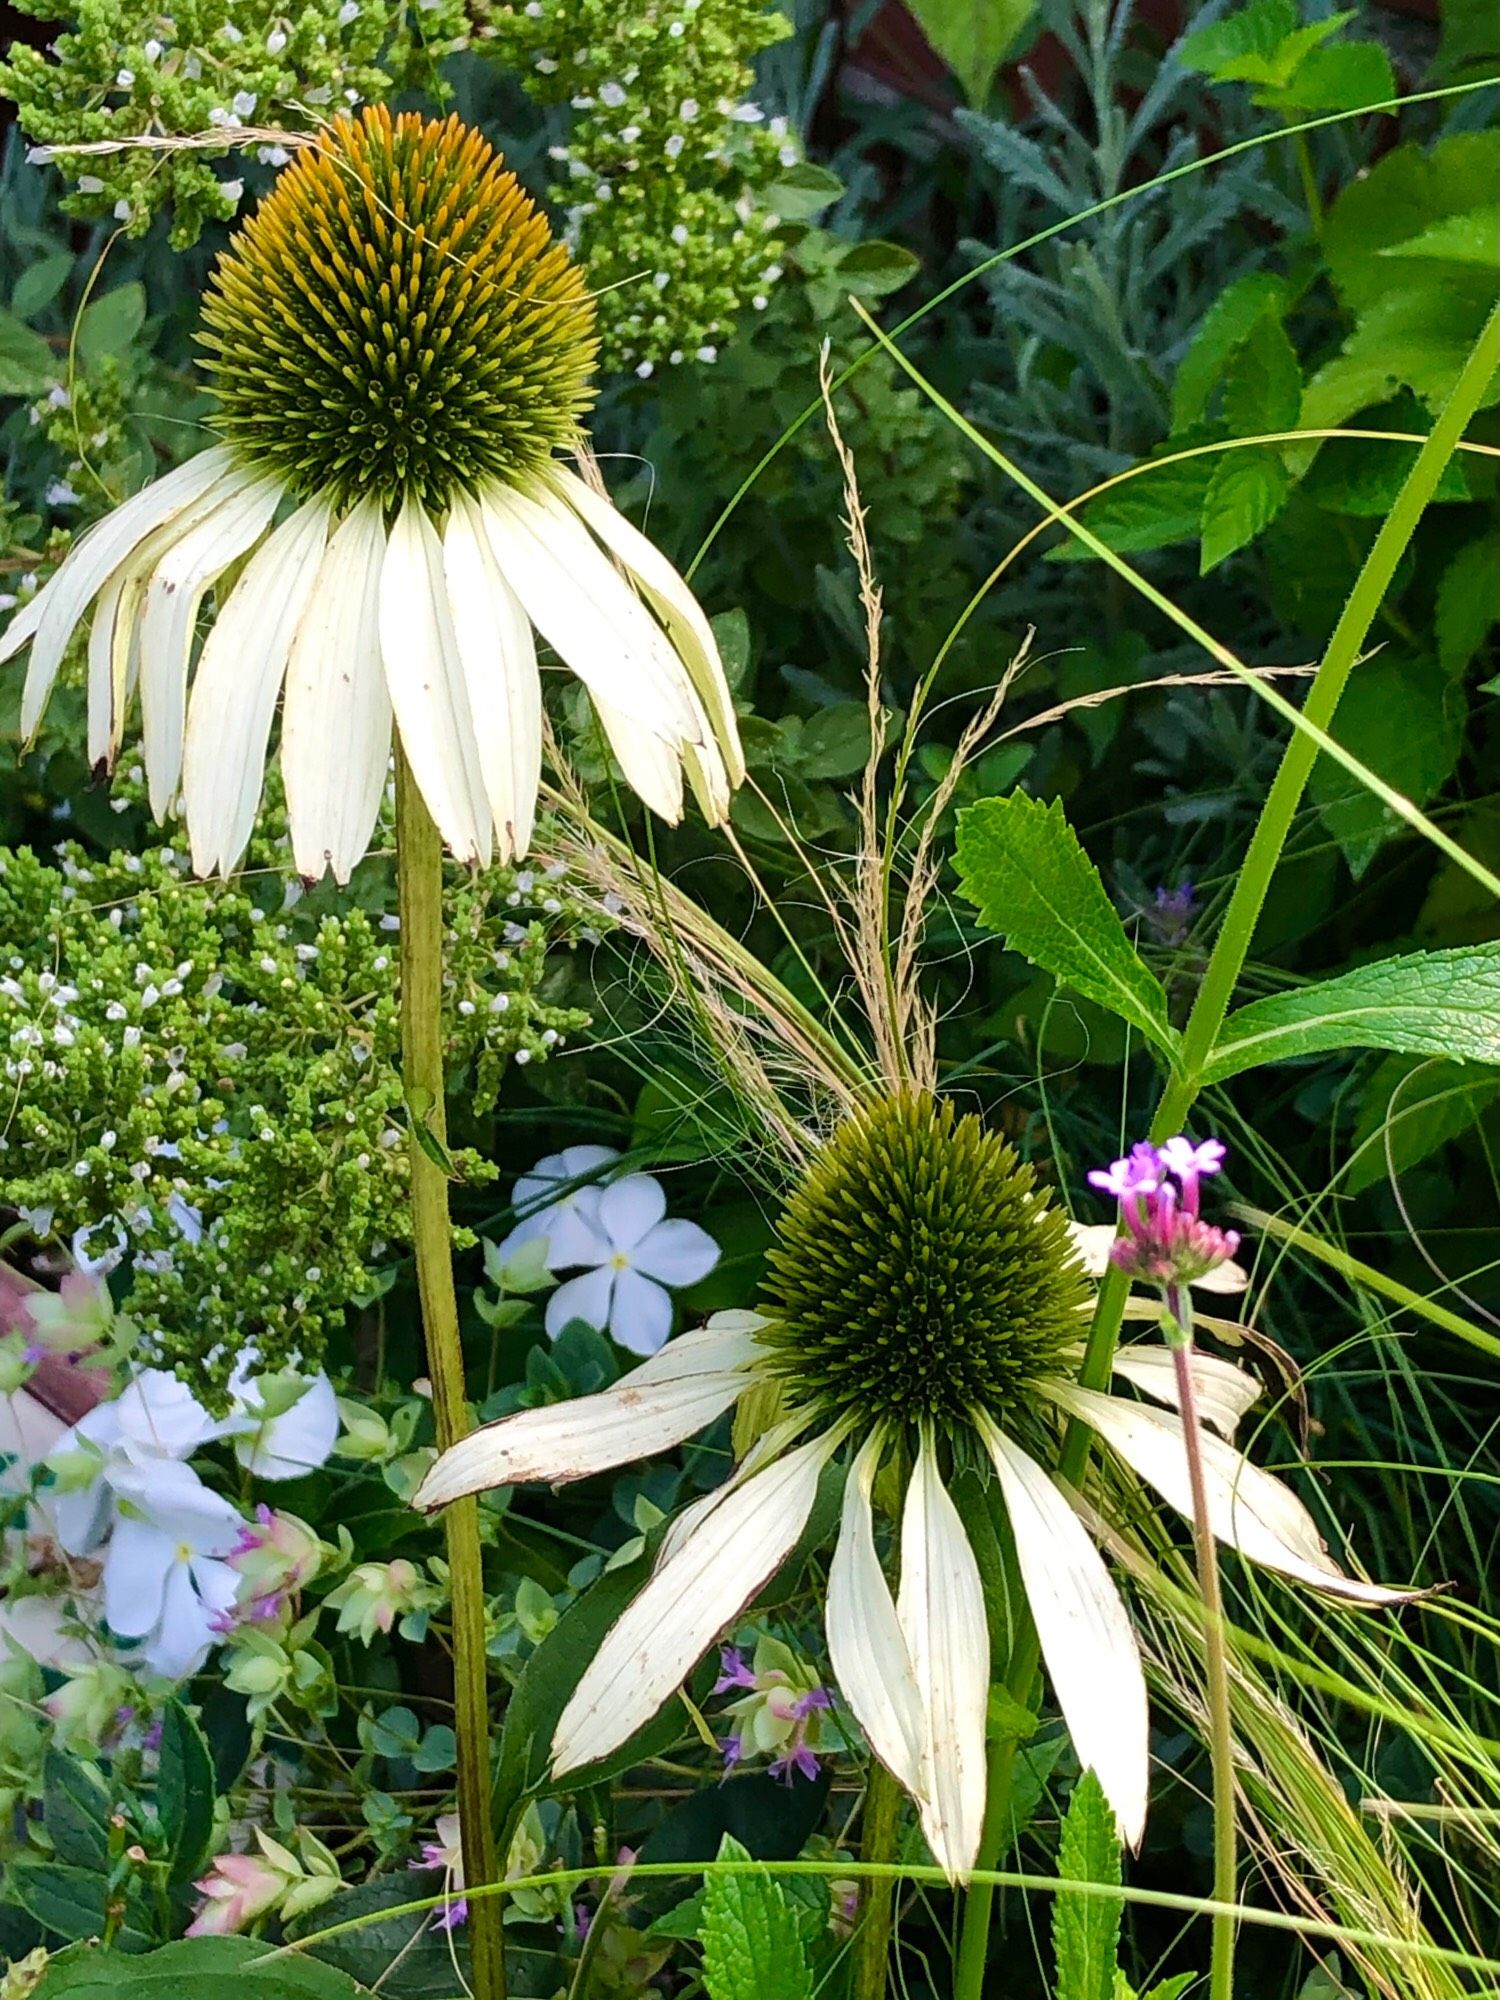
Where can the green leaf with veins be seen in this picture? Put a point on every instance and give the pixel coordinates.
(1425, 1003)
(1021, 863)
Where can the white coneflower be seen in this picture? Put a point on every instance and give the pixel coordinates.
(923, 1303)
(400, 350)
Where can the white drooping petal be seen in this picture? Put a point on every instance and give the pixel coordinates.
(1085, 1633)
(53, 614)
(1226, 1278)
(135, 1575)
(498, 652)
(234, 692)
(677, 1392)
(111, 639)
(667, 1627)
(1223, 1392)
(871, 1661)
(1249, 1510)
(336, 722)
(198, 553)
(587, 612)
(292, 1443)
(672, 601)
(940, 1606)
(427, 686)
(652, 766)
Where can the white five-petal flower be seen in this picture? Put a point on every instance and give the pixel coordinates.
(635, 1253)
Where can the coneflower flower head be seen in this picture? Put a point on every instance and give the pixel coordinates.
(399, 350)
(922, 1318)
(397, 321)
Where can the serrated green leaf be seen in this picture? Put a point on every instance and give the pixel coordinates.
(1239, 309)
(1425, 1003)
(40, 283)
(1402, 196)
(27, 363)
(972, 37)
(1410, 1108)
(193, 1969)
(1263, 383)
(1021, 865)
(1255, 32)
(871, 270)
(75, 1809)
(1340, 76)
(1246, 493)
(1468, 603)
(752, 1945)
(801, 191)
(109, 325)
(1470, 238)
(1405, 720)
(185, 1792)
(1086, 1929)
(1152, 511)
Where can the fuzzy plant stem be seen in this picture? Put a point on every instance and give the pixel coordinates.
(419, 870)
(879, 1840)
(1178, 1326)
(1227, 960)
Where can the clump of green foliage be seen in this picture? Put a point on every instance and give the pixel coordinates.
(205, 1077)
(667, 165)
(126, 72)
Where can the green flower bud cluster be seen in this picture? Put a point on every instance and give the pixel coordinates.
(666, 165)
(205, 1077)
(125, 70)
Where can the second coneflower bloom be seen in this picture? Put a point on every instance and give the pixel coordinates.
(400, 351)
(922, 1324)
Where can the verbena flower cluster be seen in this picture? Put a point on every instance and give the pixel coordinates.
(124, 70)
(203, 1077)
(666, 164)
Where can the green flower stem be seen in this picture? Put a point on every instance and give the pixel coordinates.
(1215, 1674)
(419, 868)
(879, 1838)
(974, 1939)
(1232, 946)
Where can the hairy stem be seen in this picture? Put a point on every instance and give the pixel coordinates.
(1216, 1682)
(419, 867)
(879, 1840)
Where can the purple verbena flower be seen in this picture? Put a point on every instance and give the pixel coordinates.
(797, 1758)
(733, 1672)
(1166, 1243)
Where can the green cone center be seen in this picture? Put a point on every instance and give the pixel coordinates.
(396, 319)
(918, 1273)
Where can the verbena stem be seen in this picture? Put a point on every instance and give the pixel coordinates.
(1232, 947)
(1215, 1668)
(419, 872)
